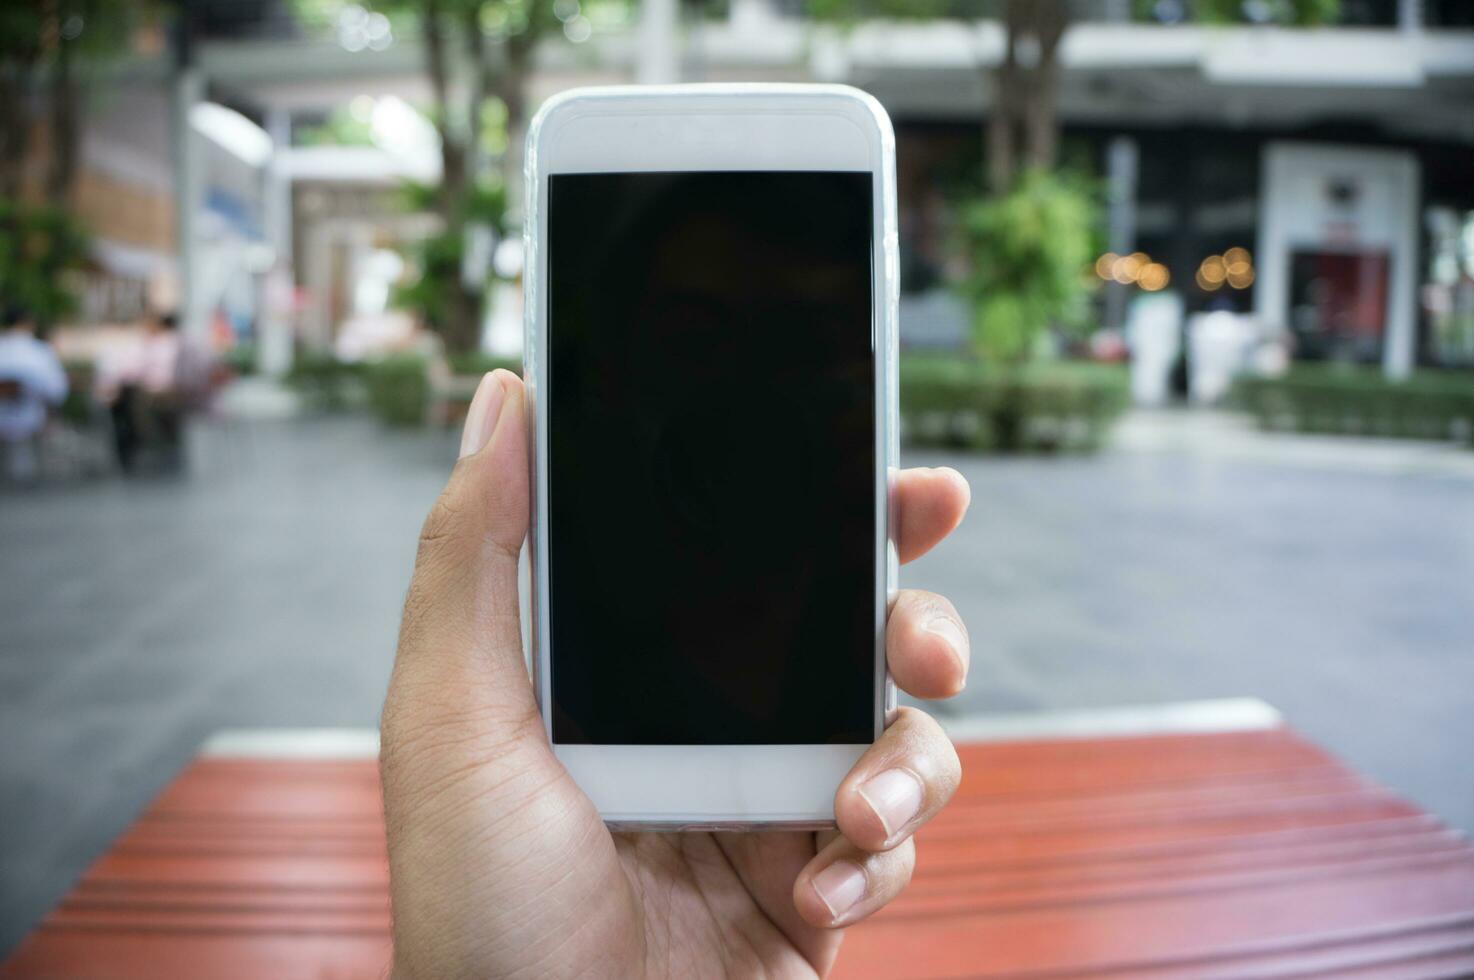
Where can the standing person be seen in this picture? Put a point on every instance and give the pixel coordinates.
(31, 381)
(141, 388)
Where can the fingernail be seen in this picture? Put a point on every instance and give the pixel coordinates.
(840, 886)
(948, 630)
(481, 417)
(895, 796)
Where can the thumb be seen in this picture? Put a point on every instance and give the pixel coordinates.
(461, 631)
(485, 502)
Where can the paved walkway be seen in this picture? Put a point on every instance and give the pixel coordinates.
(1200, 559)
(264, 590)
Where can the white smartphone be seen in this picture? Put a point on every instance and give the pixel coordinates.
(711, 288)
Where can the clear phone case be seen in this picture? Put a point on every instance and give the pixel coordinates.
(885, 289)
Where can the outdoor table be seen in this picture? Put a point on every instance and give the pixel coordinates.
(1171, 853)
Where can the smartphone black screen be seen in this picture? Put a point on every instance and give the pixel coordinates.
(711, 458)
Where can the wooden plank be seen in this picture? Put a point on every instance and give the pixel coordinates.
(1191, 857)
(1106, 934)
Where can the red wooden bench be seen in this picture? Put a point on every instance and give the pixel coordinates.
(1232, 855)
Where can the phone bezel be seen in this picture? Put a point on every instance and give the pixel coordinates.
(713, 128)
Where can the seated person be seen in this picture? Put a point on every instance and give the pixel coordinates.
(31, 380)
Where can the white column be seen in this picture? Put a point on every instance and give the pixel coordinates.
(658, 60)
(1399, 351)
(1410, 15)
(1121, 169)
(189, 184)
(274, 326)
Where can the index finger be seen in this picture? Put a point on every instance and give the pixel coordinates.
(930, 502)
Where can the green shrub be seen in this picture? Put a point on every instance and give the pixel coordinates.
(398, 388)
(1043, 406)
(241, 359)
(475, 362)
(78, 407)
(323, 382)
(1355, 400)
(1027, 254)
(40, 248)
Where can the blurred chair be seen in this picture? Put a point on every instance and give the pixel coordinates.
(18, 457)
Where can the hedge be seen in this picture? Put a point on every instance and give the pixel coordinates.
(325, 383)
(1354, 400)
(398, 386)
(1055, 406)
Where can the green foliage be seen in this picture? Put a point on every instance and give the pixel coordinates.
(1049, 406)
(1027, 254)
(1358, 400)
(39, 246)
(78, 407)
(340, 128)
(436, 261)
(433, 262)
(479, 363)
(398, 389)
(91, 29)
(322, 15)
(398, 386)
(241, 359)
(323, 382)
(851, 11)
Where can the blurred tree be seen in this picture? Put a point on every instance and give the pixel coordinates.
(1029, 241)
(39, 245)
(1022, 127)
(46, 49)
(478, 56)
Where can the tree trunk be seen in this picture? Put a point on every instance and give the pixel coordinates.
(1041, 121)
(1024, 124)
(480, 85)
(452, 153)
(64, 129)
(461, 329)
(512, 90)
(15, 135)
(1002, 123)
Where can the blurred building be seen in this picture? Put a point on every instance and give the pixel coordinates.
(1330, 166)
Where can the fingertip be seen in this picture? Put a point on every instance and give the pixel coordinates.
(843, 884)
(963, 487)
(927, 647)
(839, 888)
(932, 503)
(900, 783)
(483, 414)
(506, 377)
(947, 656)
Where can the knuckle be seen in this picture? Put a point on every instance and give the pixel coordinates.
(440, 524)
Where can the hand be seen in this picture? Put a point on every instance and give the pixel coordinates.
(500, 865)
